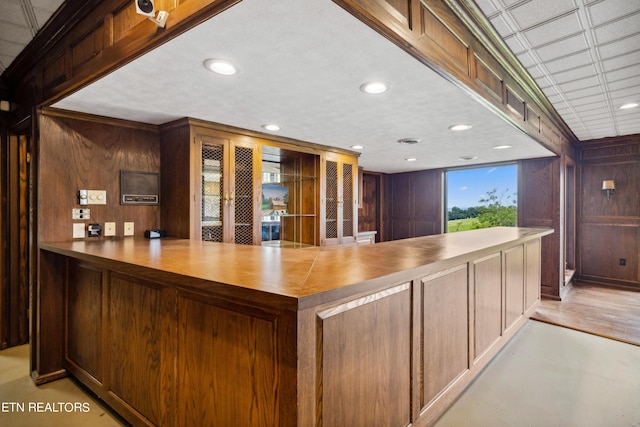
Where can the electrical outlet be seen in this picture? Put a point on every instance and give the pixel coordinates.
(80, 213)
(109, 229)
(623, 261)
(78, 230)
(128, 228)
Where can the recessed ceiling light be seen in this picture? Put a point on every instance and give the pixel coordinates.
(501, 147)
(467, 158)
(220, 66)
(411, 159)
(357, 147)
(628, 106)
(457, 128)
(408, 141)
(271, 127)
(375, 87)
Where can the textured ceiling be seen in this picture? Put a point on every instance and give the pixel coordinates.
(584, 54)
(20, 20)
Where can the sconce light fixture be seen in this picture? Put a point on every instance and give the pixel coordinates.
(608, 186)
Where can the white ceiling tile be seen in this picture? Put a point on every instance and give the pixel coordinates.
(618, 29)
(619, 47)
(570, 61)
(575, 74)
(554, 30)
(515, 44)
(487, 7)
(526, 59)
(598, 106)
(588, 91)
(623, 73)
(608, 10)
(595, 114)
(586, 100)
(560, 48)
(49, 6)
(579, 84)
(621, 61)
(625, 95)
(621, 84)
(12, 13)
(536, 72)
(15, 33)
(544, 83)
(530, 13)
(501, 25)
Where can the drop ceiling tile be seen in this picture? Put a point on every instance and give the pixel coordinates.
(570, 61)
(487, 7)
(46, 5)
(501, 25)
(12, 13)
(579, 84)
(608, 10)
(588, 91)
(10, 48)
(621, 61)
(604, 121)
(621, 84)
(595, 115)
(555, 99)
(15, 33)
(586, 100)
(527, 60)
(515, 44)
(618, 29)
(530, 13)
(619, 47)
(555, 30)
(574, 43)
(623, 73)
(575, 74)
(544, 83)
(598, 106)
(625, 95)
(536, 72)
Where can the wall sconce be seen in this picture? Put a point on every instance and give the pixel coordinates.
(608, 186)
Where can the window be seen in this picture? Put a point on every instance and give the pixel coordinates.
(482, 197)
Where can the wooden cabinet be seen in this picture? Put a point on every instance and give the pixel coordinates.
(210, 184)
(339, 200)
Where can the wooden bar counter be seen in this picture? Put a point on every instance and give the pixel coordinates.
(184, 333)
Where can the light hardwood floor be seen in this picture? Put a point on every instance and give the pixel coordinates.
(599, 310)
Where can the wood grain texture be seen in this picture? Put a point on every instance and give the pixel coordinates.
(514, 270)
(82, 154)
(135, 353)
(597, 309)
(532, 273)
(84, 319)
(487, 282)
(445, 323)
(366, 361)
(226, 366)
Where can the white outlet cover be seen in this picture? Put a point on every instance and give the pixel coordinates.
(109, 229)
(128, 229)
(78, 230)
(97, 197)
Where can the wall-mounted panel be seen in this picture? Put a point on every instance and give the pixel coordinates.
(432, 27)
(489, 79)
(603, 246)
(625, 201)
(487, 282)
(87, 46)
(135, 325)
(532, 273)
(84, 319)
(514, 269)
(366, 360)
(222, 380)
(446, 330)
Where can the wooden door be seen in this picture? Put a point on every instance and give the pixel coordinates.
(339, 204)
(369, 209)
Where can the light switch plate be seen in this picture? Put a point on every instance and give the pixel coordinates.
(78, 230)
(128, 228)
(97, 197)
(109, 229)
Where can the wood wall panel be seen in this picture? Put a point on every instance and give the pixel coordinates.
(446, 330)
(433, 28)
(220, 379)
(84, 319)
(489, 79)
(88, 154)
(416, 204)
(532, 273)
(624, 203)
(514, 270)
(366, 369)
(135, 326)
(487, 280)
(602, 247)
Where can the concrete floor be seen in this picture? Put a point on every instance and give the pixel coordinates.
(552, 376)
(546, 376)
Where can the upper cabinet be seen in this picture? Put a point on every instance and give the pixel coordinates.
(339, 201)
(234, 186)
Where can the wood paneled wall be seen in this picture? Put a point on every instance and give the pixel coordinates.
(415, 204)
(609, 230)
(453, 38)
(82, 152)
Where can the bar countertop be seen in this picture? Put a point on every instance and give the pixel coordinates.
(296, 274)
